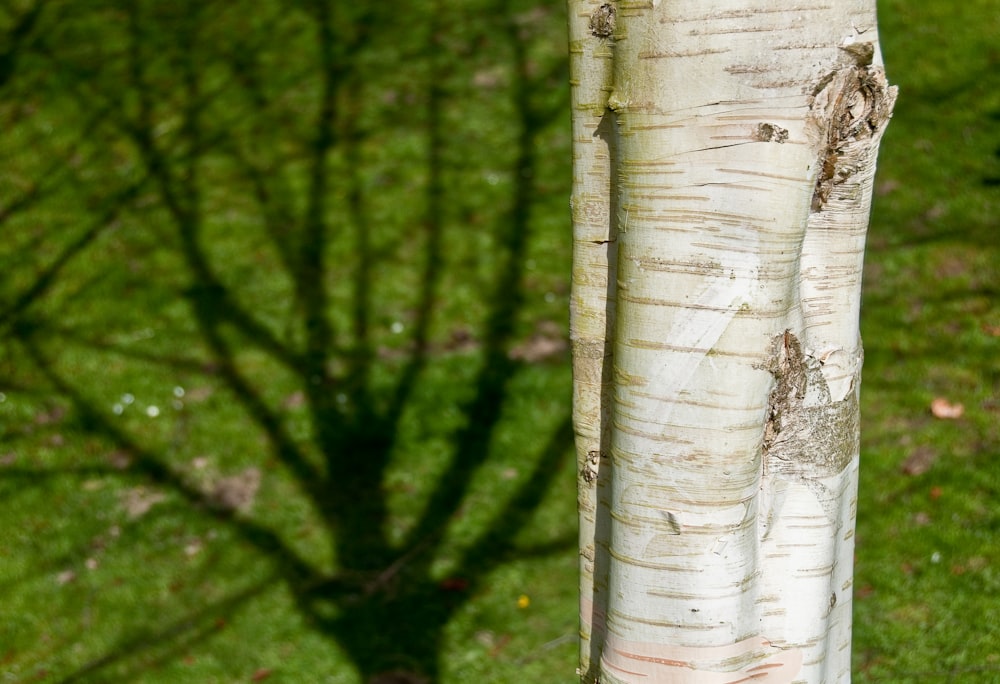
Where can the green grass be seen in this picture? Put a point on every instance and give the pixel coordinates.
(928, 558)
(284, 392)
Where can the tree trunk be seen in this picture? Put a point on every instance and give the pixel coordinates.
(592, 303)
(730, 148)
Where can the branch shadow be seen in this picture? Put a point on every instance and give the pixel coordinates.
(305, 186)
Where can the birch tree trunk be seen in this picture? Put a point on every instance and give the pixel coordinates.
(727, 149)
(592, 302)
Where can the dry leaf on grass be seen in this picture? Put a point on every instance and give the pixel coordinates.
(944, 409)
(138, 500)
(920, 461)
(119, 460)
(236, 492)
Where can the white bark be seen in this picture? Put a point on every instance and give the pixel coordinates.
(592, 304)
(744, 157)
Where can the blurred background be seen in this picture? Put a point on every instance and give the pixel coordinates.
(284, 374)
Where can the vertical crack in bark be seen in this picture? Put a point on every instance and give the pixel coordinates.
(853, 105)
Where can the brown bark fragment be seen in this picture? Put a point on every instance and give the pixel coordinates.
(766, 132)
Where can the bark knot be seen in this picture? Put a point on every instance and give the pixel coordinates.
(853, 104)
(602, 21)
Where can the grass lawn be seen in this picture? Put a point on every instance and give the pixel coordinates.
(284, 379)
(927, 601)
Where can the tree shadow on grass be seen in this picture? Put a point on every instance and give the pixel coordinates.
(254, 154)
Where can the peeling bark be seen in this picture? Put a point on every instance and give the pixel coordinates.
(806, 429)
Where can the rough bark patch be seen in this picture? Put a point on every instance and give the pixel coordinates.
(589, 470)
(807, 435)
(766, 132)
(602, 21)
(852, 104)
